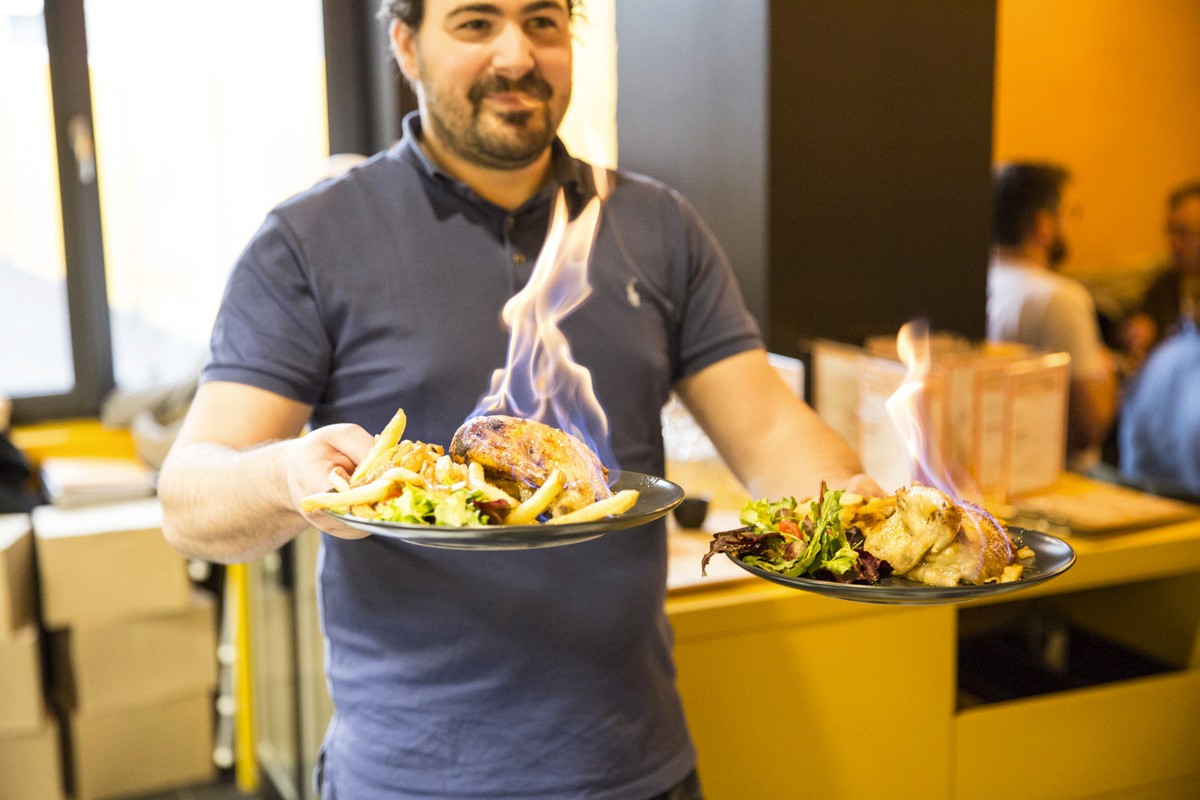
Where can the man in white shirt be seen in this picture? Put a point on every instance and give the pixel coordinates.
(1029, 302)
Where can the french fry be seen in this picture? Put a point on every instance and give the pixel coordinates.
(442, 471)
(477, 481)
(528, 511)
(619, 503)
(339, 479)
(381, 449)
(397, 455)
(402, 475)
(366, 494)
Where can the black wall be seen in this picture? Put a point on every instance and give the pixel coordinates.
(692, 83)
(839, 149)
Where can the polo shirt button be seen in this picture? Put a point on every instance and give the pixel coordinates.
(510, 223)
(519, 259)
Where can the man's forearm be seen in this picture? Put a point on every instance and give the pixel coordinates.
(226, 505)
(778, 445)
(796, 453)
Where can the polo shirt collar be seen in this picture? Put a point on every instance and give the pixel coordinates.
(573, 175)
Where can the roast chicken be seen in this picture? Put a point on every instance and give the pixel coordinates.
(519, 454)
(929, 537)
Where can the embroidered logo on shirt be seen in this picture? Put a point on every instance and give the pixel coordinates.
(631, 293)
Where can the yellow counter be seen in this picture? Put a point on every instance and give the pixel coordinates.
(74, 437)
(791, 694)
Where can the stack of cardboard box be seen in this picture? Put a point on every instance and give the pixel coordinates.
(30, 765)
(132, 650)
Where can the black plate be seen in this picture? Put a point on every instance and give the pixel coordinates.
(656, 496)
(1052, 557)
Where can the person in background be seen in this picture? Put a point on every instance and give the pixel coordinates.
(18, 491)
(1174, 295)
(535, 674)
(1159, 429)
(1029, 302)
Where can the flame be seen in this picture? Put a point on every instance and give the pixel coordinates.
(540, 379)
(909, 410)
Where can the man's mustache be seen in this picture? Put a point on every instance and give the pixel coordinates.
(529, 84)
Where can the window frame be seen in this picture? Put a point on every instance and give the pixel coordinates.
(83, 244)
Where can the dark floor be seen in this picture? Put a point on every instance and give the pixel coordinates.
(216, 791)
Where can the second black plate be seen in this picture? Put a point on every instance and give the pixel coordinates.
(1052, 557)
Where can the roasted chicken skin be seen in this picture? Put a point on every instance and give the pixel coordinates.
(524, 452)
(939, 541)
(979, 553)
(925, 520)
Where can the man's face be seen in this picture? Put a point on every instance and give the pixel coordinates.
(1183, 234)
(1069, 209)
(494, 76)
(1059, 249)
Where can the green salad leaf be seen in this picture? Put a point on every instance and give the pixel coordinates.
(416, 506)
(794, 542)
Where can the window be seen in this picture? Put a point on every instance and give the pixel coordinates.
(32, 258)
(191, 154)
(178, 127)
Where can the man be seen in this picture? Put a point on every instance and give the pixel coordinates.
(1160, 420)
(1030, 303)
(528, 674)
(1175, 293)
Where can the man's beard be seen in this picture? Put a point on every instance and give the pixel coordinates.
(1058, 251)
(516, 141)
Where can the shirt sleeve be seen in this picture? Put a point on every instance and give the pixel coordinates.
(714, 322)
(268, 332)
(1071, 326)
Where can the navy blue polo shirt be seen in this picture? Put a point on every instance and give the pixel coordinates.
(521, 674)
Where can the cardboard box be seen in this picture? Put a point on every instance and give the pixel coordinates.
(137, 660)
(22, 704)
(75, 481)
(16, 574)
(107, 562)
(994, 419)
(31, 763)
(147, 748)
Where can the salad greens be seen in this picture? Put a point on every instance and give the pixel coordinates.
(457, 508)
(782, 538)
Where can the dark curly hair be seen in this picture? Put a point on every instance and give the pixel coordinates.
(412, 12)
(1176, 197)
(1019, 192)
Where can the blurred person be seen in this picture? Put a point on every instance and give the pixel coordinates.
(542, 673)
(1174, 295)
(1159, 430)
(19, 492)
(1029, 302)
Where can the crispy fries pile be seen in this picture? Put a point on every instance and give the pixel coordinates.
(392, 464)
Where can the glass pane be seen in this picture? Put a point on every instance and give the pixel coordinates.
(206, 115)
(35, 339)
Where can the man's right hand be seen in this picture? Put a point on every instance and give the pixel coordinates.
(232, 484)
(310, 460)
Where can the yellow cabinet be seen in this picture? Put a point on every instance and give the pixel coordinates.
(792, 695)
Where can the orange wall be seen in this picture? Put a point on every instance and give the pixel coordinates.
(1111, 89)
